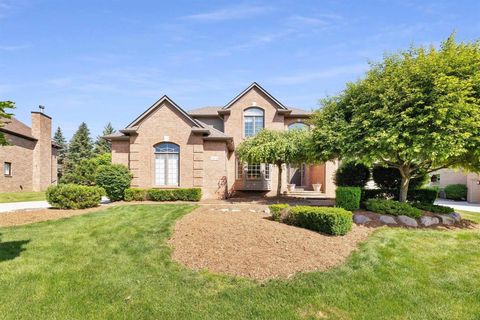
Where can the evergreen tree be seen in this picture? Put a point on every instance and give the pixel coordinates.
(79, 148)
(62, 149)
(101, 145)
(4, 116)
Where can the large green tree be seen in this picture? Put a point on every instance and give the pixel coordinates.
(276, 147)
(101, 145)
(62, 149)
(417, 111)
(4, 116)
(79, 148)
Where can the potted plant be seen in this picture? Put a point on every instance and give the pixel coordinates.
(316, 187)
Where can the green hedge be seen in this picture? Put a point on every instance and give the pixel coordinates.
(334, 221)
(276, 211)
(433, 208)
(426, 195)
(73, 196)
(348, 198)
(393, 208)
(456, 192)
(182, 194)
(115, 179)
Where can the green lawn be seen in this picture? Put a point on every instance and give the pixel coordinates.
(21, 196)
(115, 264)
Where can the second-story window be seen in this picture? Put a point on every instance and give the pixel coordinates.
(253, 119)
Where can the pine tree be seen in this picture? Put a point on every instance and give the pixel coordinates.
(79, 148)
(4, 116)
(101, 145)
(62, 149)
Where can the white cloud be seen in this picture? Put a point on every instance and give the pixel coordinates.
(13, 48)
(229, 13)
(307, 76)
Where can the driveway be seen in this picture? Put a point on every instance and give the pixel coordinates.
(459, 205)
(30, 205)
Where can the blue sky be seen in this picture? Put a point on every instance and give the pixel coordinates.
(100, 61)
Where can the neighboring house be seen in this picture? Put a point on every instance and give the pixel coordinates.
(168, 147)
(29, 163)
(444, 177)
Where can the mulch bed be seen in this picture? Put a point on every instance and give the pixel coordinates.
(244, 243)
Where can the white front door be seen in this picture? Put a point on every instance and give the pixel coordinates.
(166, 169)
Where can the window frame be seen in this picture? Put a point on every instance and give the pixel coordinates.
(8, 165)
(254, 120)
(171, 149)
(291, 125)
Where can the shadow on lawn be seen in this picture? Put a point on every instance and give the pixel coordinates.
(11, 249)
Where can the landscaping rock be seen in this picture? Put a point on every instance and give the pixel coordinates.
(360, 219)
(267, 210)
(409, 222)
(446, 219)
(456, 216)
(387, 220)
(224, 210)
(429, 221)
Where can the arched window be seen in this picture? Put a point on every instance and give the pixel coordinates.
(297, 125)
(167, 160)
(253, 119)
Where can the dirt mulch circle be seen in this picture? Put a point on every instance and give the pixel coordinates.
(243, 243)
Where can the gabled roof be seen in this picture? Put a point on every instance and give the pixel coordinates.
(158, 103)
(254, 85)
(15, 127)
(205, 111)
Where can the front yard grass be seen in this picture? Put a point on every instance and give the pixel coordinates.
(6, 197)
(115, 264)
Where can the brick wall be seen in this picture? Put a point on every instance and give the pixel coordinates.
(20, 155)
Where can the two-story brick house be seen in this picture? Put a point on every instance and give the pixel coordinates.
(168, 147)
(29, 162)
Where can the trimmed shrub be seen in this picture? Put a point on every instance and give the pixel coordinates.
(276, 211)
(351, 174)
(393, 208)
(115, 179)
(433, 208)
(348, 198)
(424, 195)
(456, 192)
(73, 196)
(135, 194)
(85, 171)
(387, 194)
(334, 221)
(182, 194)
(390, 178)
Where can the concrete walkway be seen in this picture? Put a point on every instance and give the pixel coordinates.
(31, 205)
(459, 205)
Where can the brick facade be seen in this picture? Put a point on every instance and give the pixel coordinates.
(207, 155)
(31, 154)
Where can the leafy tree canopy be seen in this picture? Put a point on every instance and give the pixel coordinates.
(417, 111)
(276, 147)
(85, 172)
(4, 116)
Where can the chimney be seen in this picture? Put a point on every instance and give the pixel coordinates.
(42, 153)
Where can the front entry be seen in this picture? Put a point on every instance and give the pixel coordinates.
(296, 175)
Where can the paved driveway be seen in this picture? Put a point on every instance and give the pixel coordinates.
(30, 205)
(460, 205)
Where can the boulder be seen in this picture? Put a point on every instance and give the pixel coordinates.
(456, 216)
(360, 219)
(387, 219)
(267, 210)
(409, 222)
(446, 219)
(429, 221)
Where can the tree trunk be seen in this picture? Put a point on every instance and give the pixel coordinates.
(279, 184)
(406, 175)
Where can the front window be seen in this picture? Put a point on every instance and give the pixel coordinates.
(7, 168)
(253, 121)
(254, 171)
(297, 126)
(167, 159)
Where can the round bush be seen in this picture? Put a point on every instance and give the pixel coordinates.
(351, 174)
(73, 196)
(348, 198)
(115, 179)
(390, 178)
(456, 192)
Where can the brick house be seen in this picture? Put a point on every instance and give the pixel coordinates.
(29, 162)
(168, 147)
